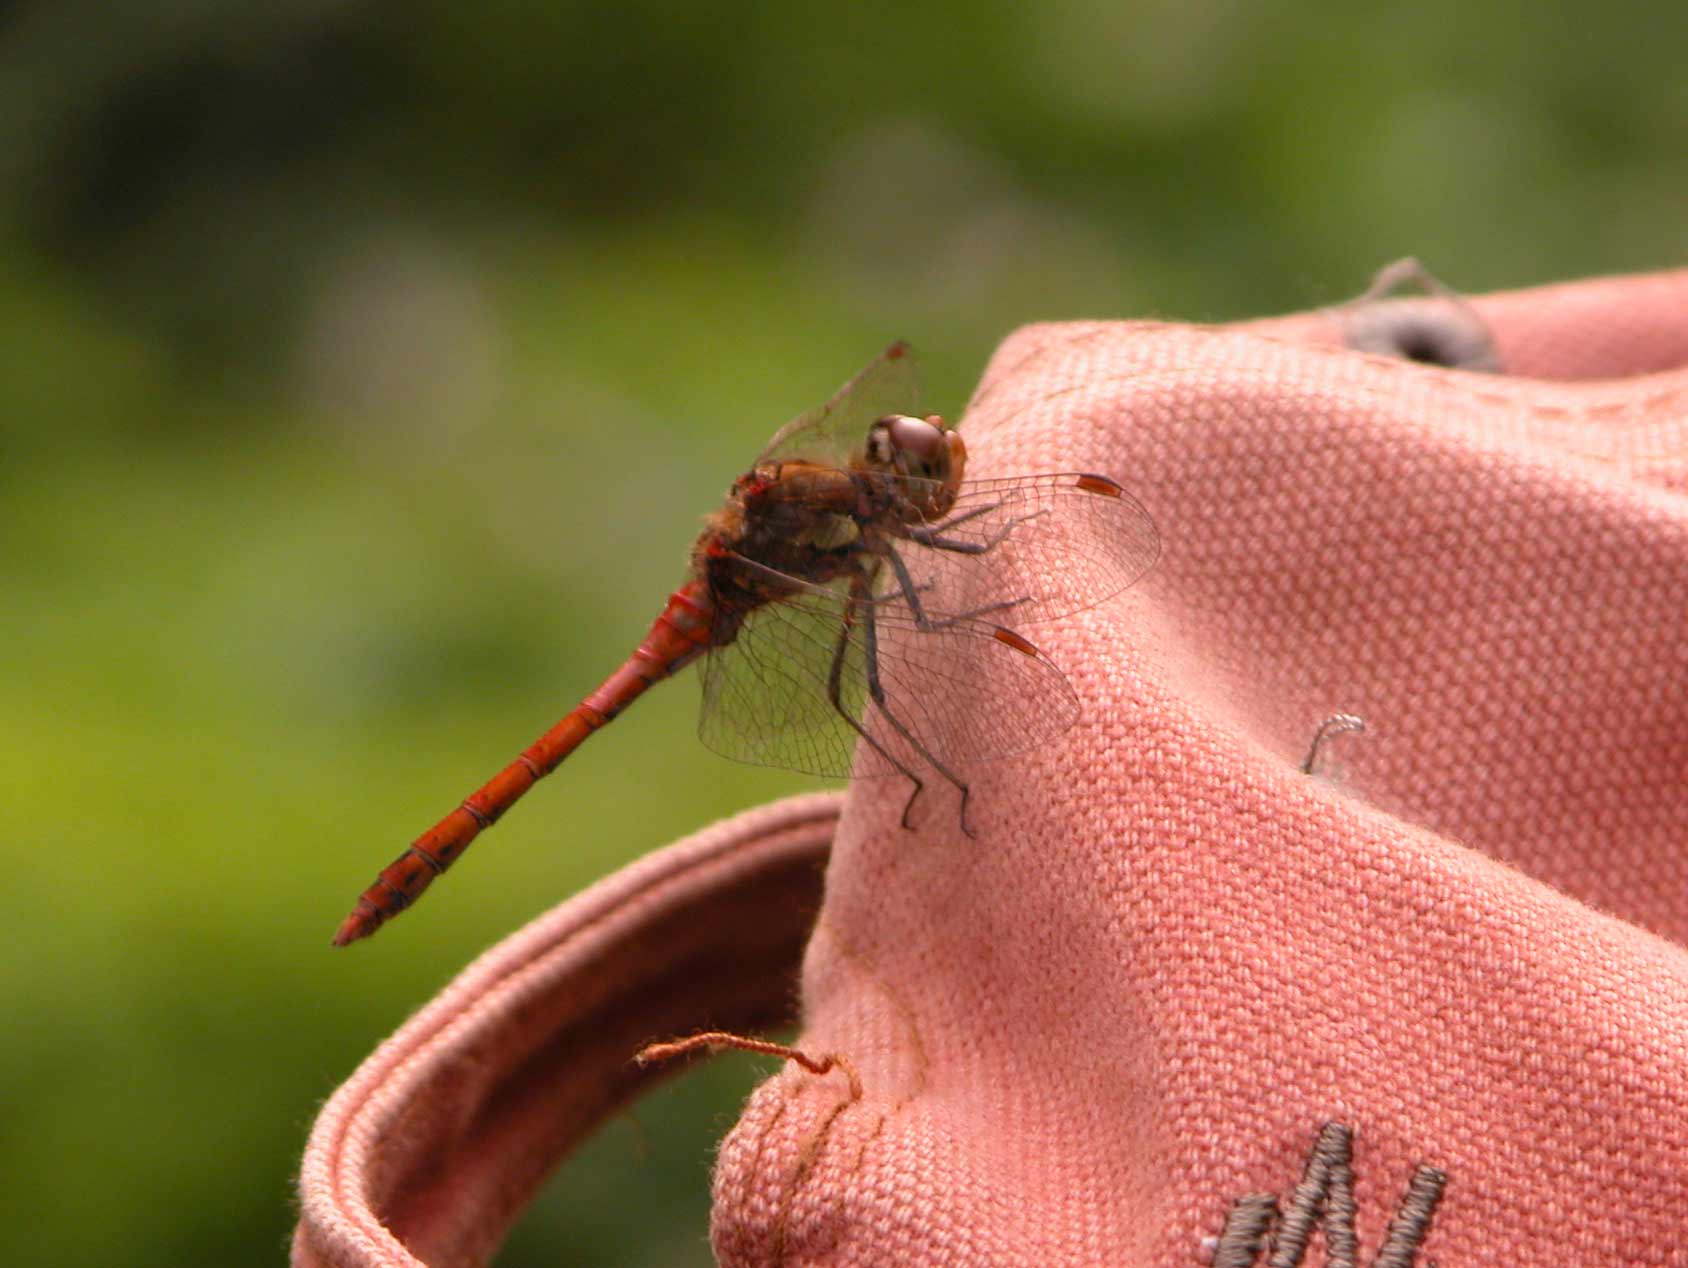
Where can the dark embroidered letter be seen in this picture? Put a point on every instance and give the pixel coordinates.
(1325, 1196)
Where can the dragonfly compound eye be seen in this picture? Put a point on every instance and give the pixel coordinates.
(914, 444)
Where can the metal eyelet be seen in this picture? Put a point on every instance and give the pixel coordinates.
(1438, 328)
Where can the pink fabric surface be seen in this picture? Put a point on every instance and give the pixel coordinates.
(1170, 958)
(1111, 1027)
(427, 1154)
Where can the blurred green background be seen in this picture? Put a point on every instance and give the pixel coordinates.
(366, 367)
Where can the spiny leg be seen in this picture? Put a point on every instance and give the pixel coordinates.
(911, 596)
(935, 537)
(870, 640)
(835, 694)
(974, 514)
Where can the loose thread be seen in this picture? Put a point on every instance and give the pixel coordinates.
(715, 1040)
(1336, 724)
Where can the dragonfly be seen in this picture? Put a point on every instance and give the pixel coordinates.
(856, 605)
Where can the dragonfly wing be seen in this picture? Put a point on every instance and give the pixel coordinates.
(766, 694)
(784, 691)
(889, 384)
(967, 690)
(1020, 551)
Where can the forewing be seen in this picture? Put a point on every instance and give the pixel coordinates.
(889, 384)
(1020, 551)
(967, 690)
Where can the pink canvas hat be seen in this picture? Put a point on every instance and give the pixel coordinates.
(1182, 1000)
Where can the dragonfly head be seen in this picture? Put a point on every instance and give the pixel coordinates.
(921, 451)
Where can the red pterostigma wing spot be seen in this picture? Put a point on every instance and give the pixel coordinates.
(1015, 641)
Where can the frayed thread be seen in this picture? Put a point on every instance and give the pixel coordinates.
(716, 1040)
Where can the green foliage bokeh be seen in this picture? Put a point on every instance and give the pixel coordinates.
(367, 366)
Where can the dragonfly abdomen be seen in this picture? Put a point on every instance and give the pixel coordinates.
(678, 636)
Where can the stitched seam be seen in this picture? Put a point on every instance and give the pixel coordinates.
(762, 1138)
(806, 1158)
(858, 963)
(854, 1172)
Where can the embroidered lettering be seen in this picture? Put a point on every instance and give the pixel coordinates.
(1255, 1226)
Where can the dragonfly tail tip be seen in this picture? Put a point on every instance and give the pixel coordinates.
(356, 926)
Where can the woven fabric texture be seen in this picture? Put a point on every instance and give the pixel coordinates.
(1170, 959)
(1177, 1001)
(428, 1153)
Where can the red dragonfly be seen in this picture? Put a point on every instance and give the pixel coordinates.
(848, 603)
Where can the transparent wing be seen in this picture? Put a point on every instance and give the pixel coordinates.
(1019, 551)
(889, 384)
(968, 690)
(766, 693)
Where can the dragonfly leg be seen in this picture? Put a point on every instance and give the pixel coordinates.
(964, 517)
(910, 594)
(936, 539)
(870, 641)
(835, 695)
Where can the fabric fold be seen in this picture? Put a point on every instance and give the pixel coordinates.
(428, 1153)
(1175, 999)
